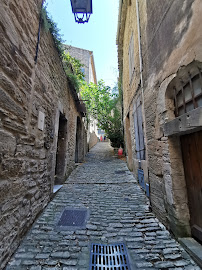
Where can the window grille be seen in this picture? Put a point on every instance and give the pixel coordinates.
(189, 96)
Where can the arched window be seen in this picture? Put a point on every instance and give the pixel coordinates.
(188, 96)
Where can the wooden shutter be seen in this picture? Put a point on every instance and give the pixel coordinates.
(137, 142)
(139, 132)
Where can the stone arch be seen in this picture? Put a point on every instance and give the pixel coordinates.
(180, 78)
(60, 167)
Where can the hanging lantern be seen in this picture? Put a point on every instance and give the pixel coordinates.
(82, 10)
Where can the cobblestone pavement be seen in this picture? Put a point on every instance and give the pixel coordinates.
(119, 213)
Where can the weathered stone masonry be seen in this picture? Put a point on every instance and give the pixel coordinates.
(29, 92)
(169, 43)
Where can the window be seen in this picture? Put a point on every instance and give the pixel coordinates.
(139, 131)
(189, 96)
(131, 58)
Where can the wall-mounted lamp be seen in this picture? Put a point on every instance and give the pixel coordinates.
(82, 10)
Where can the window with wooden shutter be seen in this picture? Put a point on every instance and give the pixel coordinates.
(189, 96)
(131, 58)
(139, 131)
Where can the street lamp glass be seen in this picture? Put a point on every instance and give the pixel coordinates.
(83, 7)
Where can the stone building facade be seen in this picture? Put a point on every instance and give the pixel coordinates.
(87, 59)
(40, 119)
(160, 63)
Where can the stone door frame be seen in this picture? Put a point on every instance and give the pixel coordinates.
(173, 168)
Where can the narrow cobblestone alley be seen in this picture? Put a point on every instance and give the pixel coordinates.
(118, 213)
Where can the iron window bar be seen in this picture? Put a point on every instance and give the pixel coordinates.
(192, 100)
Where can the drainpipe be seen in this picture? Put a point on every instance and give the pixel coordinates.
(141, 71)
(139, 45)
(119, 21)
(39, 31)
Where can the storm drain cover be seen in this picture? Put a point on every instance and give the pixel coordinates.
(105, 257)
(73, 218)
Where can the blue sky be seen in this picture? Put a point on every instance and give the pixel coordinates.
(98, 35)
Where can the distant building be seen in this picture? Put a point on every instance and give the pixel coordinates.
(86, 58)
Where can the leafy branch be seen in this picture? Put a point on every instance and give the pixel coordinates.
(71, 65)
(51, 26)
(103, 104)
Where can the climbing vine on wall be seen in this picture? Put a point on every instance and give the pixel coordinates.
(51, 26)
(72, 68)
(71, 65)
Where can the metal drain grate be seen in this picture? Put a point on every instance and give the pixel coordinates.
(109, 257)
(71, 218)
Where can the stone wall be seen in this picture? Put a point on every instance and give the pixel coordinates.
(87, 59)
(173, 42)
(84, 56)
(132, 88)
(170, 41)
(27, 90)
(93, 140)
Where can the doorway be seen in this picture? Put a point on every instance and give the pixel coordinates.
(61, 150)
(192, 157)
(129, 143)
(79, 151)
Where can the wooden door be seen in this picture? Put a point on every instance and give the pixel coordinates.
(61, 151)
(192, 158)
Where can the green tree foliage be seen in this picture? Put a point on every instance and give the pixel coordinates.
(71, 65)
(72, 68)
(103, 104)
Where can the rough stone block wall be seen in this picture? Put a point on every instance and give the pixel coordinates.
(170, 40)
(92, 140)
(28, 154)
(170, 45)
(131, 28)
(132, 88)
